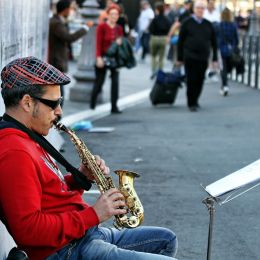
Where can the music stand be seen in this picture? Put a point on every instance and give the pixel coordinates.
(227, 189)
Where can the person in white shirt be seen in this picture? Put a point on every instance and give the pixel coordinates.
(212, 14)
(144, 20)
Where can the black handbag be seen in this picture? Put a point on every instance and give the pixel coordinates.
(110, 62)
(237, 61)
(235, 57)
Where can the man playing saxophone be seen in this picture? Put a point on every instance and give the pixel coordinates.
(43, 209)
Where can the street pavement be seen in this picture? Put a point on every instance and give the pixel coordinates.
(175, 151)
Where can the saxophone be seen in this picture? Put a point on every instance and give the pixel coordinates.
(135, 212)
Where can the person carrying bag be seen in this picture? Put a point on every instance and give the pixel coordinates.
(228, 46)
(107, 34)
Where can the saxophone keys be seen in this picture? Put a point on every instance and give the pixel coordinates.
(130, 202)
(133, 221)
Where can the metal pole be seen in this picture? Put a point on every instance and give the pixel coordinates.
(244, 41)
(257, 62)
(249, 76)
(209, 202)
(253, 20)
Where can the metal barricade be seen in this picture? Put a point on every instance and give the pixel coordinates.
(250, 51)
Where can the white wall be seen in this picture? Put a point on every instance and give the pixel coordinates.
(23, 30)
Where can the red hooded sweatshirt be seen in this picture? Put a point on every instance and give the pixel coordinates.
(41, 209)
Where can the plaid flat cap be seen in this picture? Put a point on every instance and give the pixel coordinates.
(31, 71)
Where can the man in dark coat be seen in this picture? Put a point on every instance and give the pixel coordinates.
(196, 38)
(60, 37)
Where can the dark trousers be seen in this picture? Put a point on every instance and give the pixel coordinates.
(226, 68)
(145, 39)
(195, 74)
(98, 84)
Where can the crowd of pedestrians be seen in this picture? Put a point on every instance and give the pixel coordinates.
(202, 38)
(162, 28)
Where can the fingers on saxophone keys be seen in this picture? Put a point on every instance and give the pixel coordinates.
(116, 201)
(119, 204)
(106, 170)
(115, 195)
(119, 207)
(102, 164)
(119, 211)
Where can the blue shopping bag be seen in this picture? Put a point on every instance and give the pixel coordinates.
(174, 39)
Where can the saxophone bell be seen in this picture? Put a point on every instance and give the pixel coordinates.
(135, 208)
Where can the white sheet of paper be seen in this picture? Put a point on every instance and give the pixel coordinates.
(237, 179)
(101, 129)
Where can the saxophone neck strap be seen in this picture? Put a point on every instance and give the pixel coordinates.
(46, 145)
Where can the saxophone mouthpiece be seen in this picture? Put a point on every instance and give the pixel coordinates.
(60, 126)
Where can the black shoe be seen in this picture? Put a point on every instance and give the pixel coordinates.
(92, 106)
(193, 109)
(116, 111)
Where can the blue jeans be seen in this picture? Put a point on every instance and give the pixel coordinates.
(142, 243)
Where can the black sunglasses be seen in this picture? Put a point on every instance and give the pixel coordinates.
(50, 103)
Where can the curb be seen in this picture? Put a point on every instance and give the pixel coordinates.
(104, 109)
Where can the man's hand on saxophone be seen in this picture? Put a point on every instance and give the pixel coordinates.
(102, 165)
(109, 204)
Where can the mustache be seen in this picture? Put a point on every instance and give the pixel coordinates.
(58, 118)
(55, 121)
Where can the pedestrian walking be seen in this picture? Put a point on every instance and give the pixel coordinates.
(123, 21)
(212, 14)
(196, 38)
(158, 30)
(228, 41)
(60, 37)
(107, 33)
(173, 34)
(242, 21)
(143, 23)
(172, 11)
(47, 216)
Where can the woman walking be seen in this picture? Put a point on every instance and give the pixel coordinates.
(227, 42)
(107, 33)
